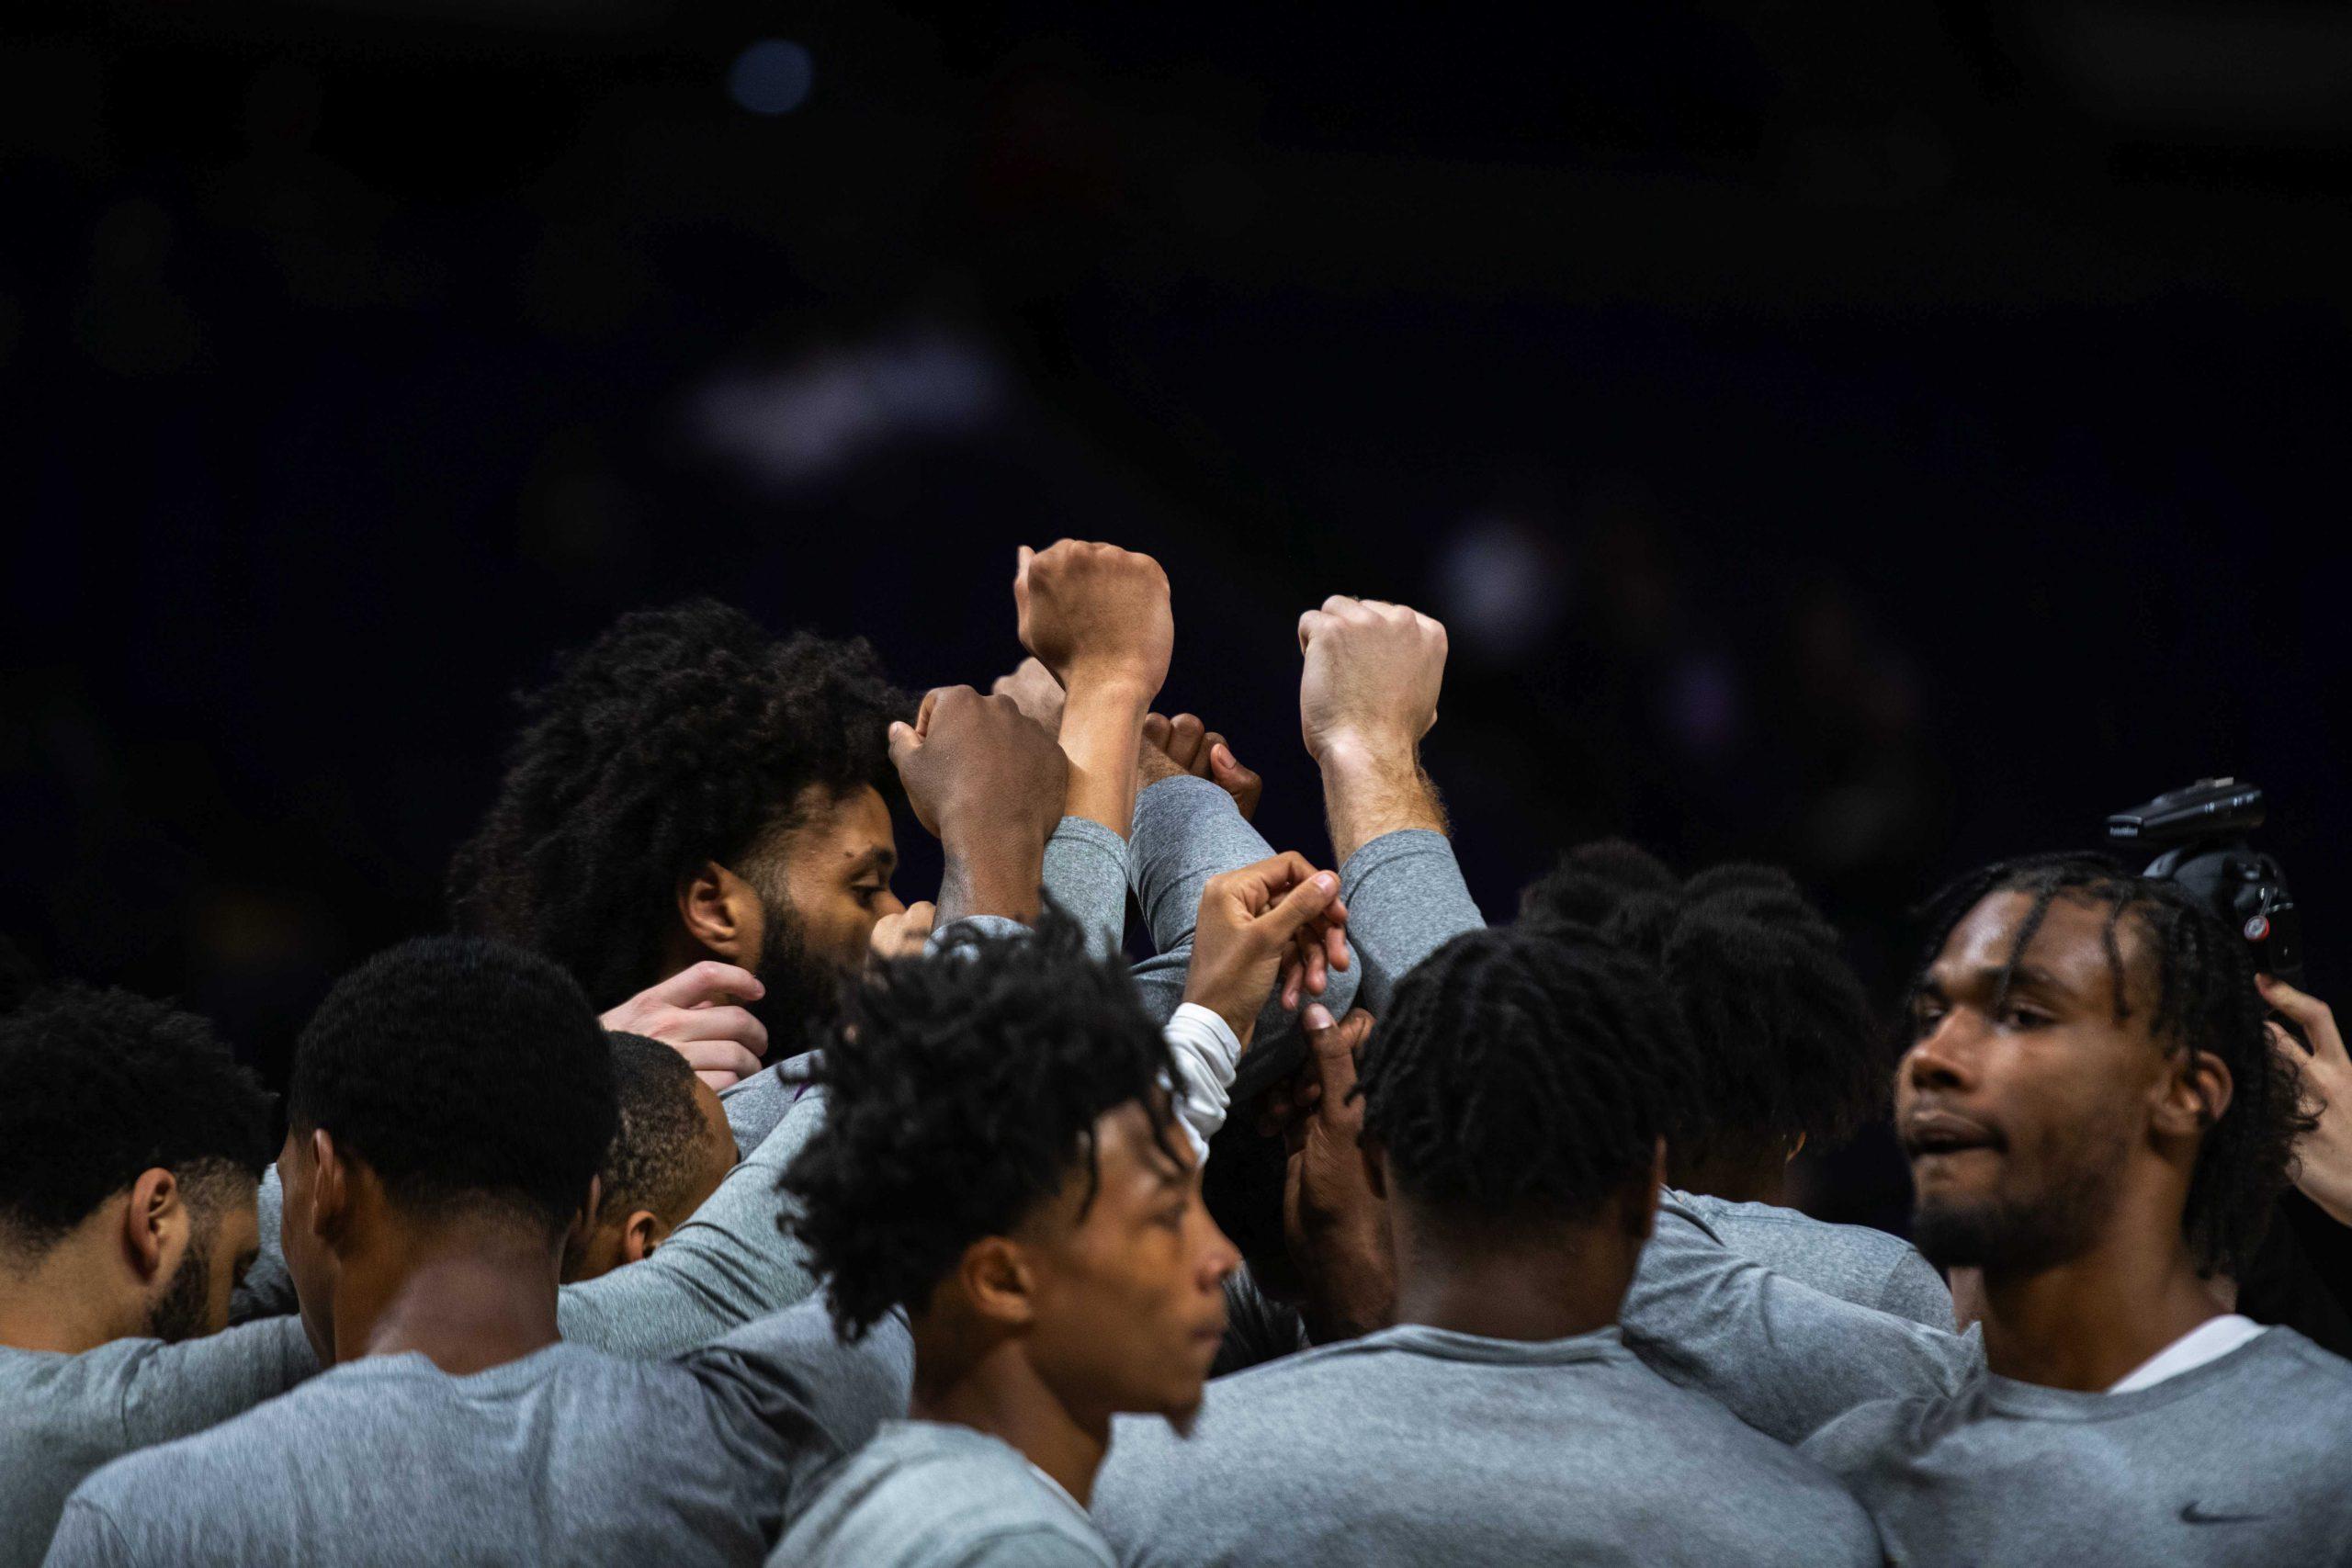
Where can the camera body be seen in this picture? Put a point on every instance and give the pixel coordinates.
(2203, 831)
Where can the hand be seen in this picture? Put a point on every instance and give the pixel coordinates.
(1372, 678)
(693, 1012)
(1096, 615)
(2324, 1155)
(904, 934)
(1334, 1224)
(1279, 918)
(1191, 746)
(1035, 691)
(970, 763)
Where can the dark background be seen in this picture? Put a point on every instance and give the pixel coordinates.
(1876, 439)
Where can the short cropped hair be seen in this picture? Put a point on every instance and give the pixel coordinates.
(652, 1157)
(962, 1090)
(98, 1086)
(1525, 1070)
(464, 1072)
(679, 736)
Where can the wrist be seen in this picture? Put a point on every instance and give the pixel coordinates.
(1113, 685)
(1363, 754)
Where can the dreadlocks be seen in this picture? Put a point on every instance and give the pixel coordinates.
(1527, 1066)
(2202, 979)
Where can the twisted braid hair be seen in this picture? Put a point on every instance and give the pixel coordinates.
(1786, 1045)
(1529, 1067)
(2201, 978)
(679, 736)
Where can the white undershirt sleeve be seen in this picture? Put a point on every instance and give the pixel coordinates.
(1206, 1050)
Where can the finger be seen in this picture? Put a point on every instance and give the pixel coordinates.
(1236, 780)
(905, 741)
(1155, 730)
(1184, 742)
(1311, 625)
(1299, 906)
(1294, 977)
(707, 981)
(1334, 1048)
(720, 1022)
(1340, 604)
(2313, 1016)
(718, 1057)
(923, 714)
(718, 1081)
(2285, 1045)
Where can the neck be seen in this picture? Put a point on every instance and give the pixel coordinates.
(64, 1305)
(998, 1392)
(469, 1295)
(1511, 1278)
(2085, 1322)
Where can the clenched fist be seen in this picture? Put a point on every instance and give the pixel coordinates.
(1095, 616)
(977, 768)
(1372, 678)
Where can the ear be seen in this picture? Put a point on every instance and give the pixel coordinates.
(642, 1232)
(721, 913)
(155, 1224)
(1796, 1149)
(2196, 1094)
(331, 1185)
(1375, 1166)
(997, 1279)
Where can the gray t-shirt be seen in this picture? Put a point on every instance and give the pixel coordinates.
(565, 1456)
(1416, 1446)
(62, 1417)
(1853, 1263)
(929, 1494)
(1783, 1356)
(2244, 1461)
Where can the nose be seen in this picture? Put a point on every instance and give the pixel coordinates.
(1943, 1058)
(1219, 1257)
(889, 904)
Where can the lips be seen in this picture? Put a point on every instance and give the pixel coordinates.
(1937, 1132)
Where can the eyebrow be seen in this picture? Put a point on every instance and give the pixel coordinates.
(874, 859)
(1939, 981)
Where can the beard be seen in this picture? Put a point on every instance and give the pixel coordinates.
(2025, 1232)
(802, 993)
(179, 1312)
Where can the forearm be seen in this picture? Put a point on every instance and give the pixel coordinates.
(1368, 791)
(990, 872)
(1102, 721)
(1406, 899)
(1085, 873)
(1187, 830)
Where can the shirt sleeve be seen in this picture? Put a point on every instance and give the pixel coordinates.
(823, 1397)
(1913, 1290)
(1085, 876)
(1781, 1357)
(1187, 831)
(173, 1391)
(733, 1262)
(1038, 1547)
(1406, 899)
(267, 1289)
(1205, 1049)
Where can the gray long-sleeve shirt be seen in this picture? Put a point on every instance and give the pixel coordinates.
(1419, 1447)
(2243, 1462)
(62, 1417)
(566, 1456)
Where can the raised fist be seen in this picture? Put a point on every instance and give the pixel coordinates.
(1372, 677)
(1095, 615)
(976, 767)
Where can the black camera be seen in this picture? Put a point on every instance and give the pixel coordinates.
(2204, 830)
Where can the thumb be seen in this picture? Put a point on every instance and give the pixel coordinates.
(1300, 905)
(904, 744)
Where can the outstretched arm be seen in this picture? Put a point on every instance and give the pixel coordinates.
(1367, 693)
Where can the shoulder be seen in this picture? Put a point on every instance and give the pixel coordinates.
(1879, 1430)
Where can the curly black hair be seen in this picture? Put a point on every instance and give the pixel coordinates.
(962, 1091)
(679, 736)
(2203, 980)
(651, 1157)
(466, 1074)
(98, 1086)
(1784, 1027)
(1530, 1067)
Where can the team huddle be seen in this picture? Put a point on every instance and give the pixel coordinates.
(696, 1201)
